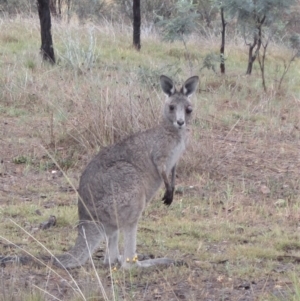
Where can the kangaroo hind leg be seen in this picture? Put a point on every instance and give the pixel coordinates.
(129, 255)
(112, 254)
(90, 234)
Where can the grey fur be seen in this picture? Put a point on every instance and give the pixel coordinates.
(121, 180)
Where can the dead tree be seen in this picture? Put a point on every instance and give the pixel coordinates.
(47, 50)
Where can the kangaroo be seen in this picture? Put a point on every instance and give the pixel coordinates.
(121, 180)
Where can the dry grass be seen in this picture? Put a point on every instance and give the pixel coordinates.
(235, 218)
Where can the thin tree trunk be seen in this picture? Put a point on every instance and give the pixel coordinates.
(262, 65)
(222, 50)
(256, 43)
(251, 58)
(59, 8)
(46, 37)
(136, 24)
(287, 67)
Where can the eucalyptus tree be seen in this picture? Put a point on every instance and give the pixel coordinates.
(254, 16)
(181, 23)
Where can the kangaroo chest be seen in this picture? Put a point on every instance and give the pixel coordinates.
(175, 154)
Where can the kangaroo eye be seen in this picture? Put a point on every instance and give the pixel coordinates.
(189, 110)
(171, 107)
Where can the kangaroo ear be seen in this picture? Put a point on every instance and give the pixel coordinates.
(190, 85)
(167, 85)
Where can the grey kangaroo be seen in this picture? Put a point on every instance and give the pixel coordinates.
(121, 180)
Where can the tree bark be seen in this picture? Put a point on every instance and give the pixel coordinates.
(251, 58)
(256, 43)
(222, 50)
(262, 65)
(47, 50)
(136, 24)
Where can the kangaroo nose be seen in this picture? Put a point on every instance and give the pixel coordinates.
(180, 122)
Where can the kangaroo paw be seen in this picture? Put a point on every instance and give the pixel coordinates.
(168, 197)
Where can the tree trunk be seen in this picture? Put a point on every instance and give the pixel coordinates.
(59, 7)
(222, 50)
(256, 43)
(251, 58)
(262, 61)
(136, 24)
(46, 37)
(262, 68)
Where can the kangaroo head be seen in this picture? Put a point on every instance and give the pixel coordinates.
(178, 108)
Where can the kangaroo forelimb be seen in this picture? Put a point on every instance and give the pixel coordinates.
(169, 193)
